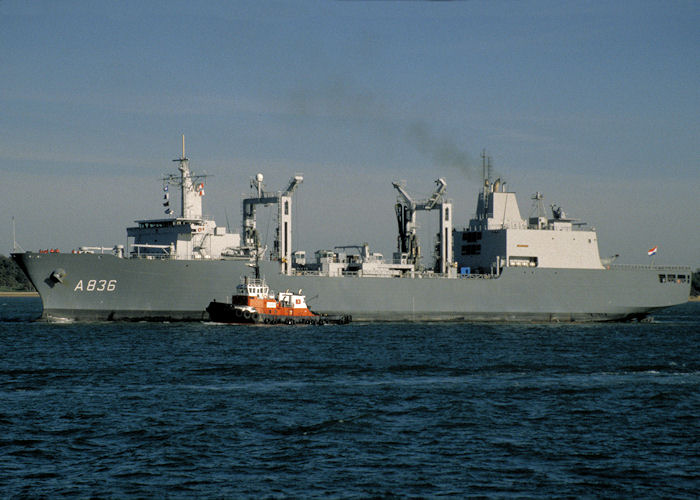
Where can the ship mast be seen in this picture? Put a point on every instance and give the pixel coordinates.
(191, 187)
(486, 166)
(185, 182)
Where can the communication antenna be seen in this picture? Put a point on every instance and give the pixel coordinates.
(15, 245)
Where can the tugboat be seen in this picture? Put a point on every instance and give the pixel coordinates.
(255, 304)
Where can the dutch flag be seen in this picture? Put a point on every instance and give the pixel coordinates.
(652, 251)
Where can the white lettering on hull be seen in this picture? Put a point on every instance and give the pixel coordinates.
(95, 286)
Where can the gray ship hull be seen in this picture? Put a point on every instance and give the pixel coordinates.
(103, 287)
(517, 295)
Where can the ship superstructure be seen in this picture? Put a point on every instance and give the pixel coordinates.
(499, 266)
(282, 250)
(497, 236)
(189, 235)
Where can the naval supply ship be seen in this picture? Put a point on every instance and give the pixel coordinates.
(498, 267)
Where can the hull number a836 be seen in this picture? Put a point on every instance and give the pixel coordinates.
(95, 286)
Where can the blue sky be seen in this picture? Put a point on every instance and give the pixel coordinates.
(596, 104)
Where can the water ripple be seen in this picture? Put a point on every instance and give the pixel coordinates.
(354, 411)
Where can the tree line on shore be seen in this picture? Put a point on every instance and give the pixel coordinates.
(12, 279)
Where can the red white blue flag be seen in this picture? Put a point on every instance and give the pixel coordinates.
(652, 251)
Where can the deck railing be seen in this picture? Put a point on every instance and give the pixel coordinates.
(631, 267)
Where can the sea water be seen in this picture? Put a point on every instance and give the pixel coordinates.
(361, 410)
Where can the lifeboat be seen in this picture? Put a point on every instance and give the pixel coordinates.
(254, 303)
